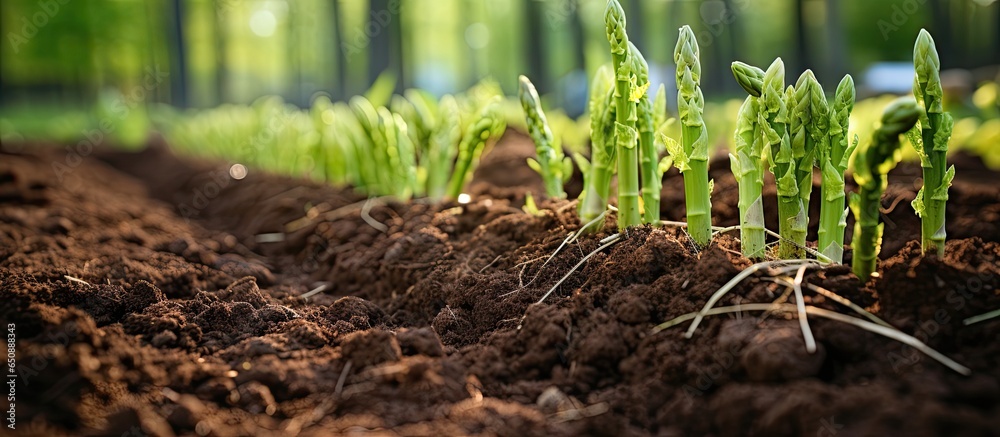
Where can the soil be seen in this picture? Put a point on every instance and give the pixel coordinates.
(156, 295)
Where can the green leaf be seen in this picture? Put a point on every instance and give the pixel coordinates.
(530, 207)
(787, 184)
(941, 193)
(665, 164)
(847, 155)
(381, 90)
(943, 133)
(582, 163)
(833, 181)
(918, 203)
(567, 172)
(626, 136)
(675, 151)
(535, 166)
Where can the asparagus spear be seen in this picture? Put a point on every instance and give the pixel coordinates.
(648, 155)
(873, 162)
(550, 163)
(484, 130)
(442, 147)
(626, 97)
(694, 162)
(810, 125)
(834, 155)
(932, 145)
(603, 152)
(747, 165)
(773, 120)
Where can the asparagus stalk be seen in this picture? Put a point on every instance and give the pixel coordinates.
(834, 156)
(932, 145)
(773, 121)
(648, 155)
(660, 107)
(873, 161)
(626, 97)
(603, 152)
(810, 126)
(442, 147)
(747, 165)
(694, 162)
(484, 130)
(749, 77)
(550, 163)
(407, 159)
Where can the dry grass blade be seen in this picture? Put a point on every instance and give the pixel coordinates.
(982, 317)
(736, 280)
(607, 242)
(845, 302)
(874, 328)
(572, 237)
(366, 209)
(800, 306)
(893, 334)
(837, 298)
(77, 280)
(714, 312)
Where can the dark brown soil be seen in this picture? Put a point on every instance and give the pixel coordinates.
(147, 301)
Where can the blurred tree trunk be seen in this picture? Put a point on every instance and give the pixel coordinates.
(837, 66)
(221, 74)
(801, 44)
(635, 24)
(293, 56)
(579, 39)
(941, 20)
(996, 35)
(5, 89)
(340, 57)
(536, 45)
(385, 48)
(178, 55)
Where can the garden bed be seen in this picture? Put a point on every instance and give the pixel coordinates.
(156, 294)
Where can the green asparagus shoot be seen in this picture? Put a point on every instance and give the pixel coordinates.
(930, 140)
(749, 77)
(773, 120)
(652, 178)
(834, 155)
(627, 93)
(873, 161)
(747, 163)
(551, 164)
(442, 147)
(693, 159)
(809, 127)
(484, 131)
(602, 141)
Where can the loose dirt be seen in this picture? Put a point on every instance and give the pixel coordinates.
(157, 295)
